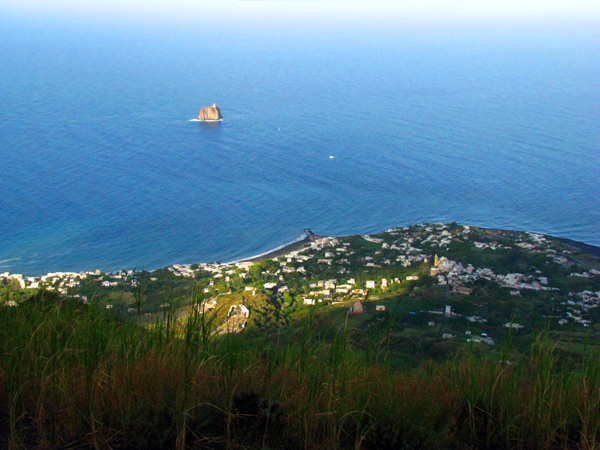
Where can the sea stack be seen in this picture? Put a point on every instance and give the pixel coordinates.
(210, 113)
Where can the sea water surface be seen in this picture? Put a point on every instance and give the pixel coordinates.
(102, 168)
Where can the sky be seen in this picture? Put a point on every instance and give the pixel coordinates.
(325, 12)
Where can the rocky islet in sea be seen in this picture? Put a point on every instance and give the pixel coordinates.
(210, 113)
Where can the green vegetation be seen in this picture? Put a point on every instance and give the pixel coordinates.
(73, 376)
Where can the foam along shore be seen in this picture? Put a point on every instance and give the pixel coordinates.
(293, 246)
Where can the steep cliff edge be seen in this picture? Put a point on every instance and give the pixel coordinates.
(210, 113)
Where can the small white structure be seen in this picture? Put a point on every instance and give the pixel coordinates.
(448, 311)
(238, 310)
(330, 284)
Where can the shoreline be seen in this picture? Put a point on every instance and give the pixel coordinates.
(293, 246)
(583, 246)
(308, 237)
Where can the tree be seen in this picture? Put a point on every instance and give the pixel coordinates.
(256, 272)
(237, 283)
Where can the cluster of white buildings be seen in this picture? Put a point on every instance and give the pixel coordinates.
(455, 273)
(580, 303)
(58, 281)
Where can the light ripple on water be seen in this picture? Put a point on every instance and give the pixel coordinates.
(115, 175)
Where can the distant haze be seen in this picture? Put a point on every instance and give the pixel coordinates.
(309, 12)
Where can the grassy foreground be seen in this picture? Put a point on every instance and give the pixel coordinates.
(72, 376)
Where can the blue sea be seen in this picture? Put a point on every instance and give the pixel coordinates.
(100, 166)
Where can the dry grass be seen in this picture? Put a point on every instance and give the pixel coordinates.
(73, 377)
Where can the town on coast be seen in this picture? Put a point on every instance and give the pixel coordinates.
(443, 272)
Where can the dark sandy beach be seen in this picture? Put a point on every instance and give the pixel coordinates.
(292, 247)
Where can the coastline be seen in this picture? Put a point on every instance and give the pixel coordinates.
(583, 246)
(293, 246)
(308, 237)
(588, 248)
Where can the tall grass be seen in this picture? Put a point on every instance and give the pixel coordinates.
(72, 376)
